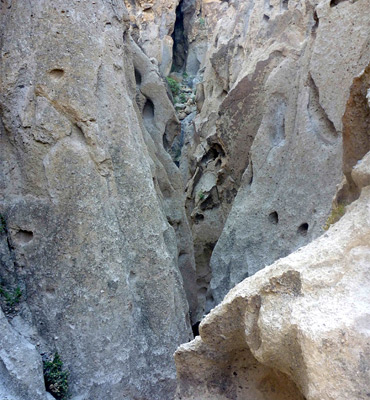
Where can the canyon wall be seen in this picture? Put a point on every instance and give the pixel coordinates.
(111, 249)
(298, 329)
(265, 156)
(93, 229)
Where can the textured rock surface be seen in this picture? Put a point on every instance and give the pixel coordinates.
(93, 226)
(356, 137)
(276, 81)
(20, 366)
(152, 23)
(297, 328)
(92, 201)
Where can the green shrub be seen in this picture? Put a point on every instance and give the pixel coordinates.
(11, 298)
(56, 378)
(202, 22)
(336, 214)
(174, 86)
(201, 195)
(182, 98)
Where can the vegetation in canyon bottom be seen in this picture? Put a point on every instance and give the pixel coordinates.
(56, 378)
(174, 86)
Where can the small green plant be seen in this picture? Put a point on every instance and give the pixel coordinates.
(2, 224)
(202, 22)
(11, 298)
(56, 378)
(174, 86)
(182, 98)
(201, 195)
(185, 75)
(336, 214)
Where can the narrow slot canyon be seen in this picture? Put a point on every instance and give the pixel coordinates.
(180, 41)
(184, 203)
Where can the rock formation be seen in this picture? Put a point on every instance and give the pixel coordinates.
(91, 204)
(298, 329)
(120, 226)
(276, 80)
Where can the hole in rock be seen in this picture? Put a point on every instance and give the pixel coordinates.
(316, 19)
(137, 77)
(209, 202)
(56, 73)
(303, 228)
(195, 328)
(274, 217)
(199, 217)
(266, 17)
(132, 276)
(334, 3)
(284, 4)
(23, 236)
(148, 111)
(215, 151)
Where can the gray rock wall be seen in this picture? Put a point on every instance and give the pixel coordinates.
(93, 204)
(277, 78)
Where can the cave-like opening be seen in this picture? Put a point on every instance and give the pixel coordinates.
(180, 41)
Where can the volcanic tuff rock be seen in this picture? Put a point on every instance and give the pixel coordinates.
(266, 152)
(151, 25)
(298, 329)
(92, 202)
(20, 367)
(93, 228)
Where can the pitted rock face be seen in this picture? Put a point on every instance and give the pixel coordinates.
(298, 329)
(274, 94)
(109, 251)
(92, 202)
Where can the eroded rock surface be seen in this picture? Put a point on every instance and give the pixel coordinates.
(94, 228)
(21, 375)
(93, 204)
(265, 158)
(152, 23)
(298, 329)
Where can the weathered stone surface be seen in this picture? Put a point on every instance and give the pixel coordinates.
(361, 172)
(276, 82)
(356, 133)
(95, 230)
(20, 366)
(93, 203)
(298, 329)
(151, 24)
